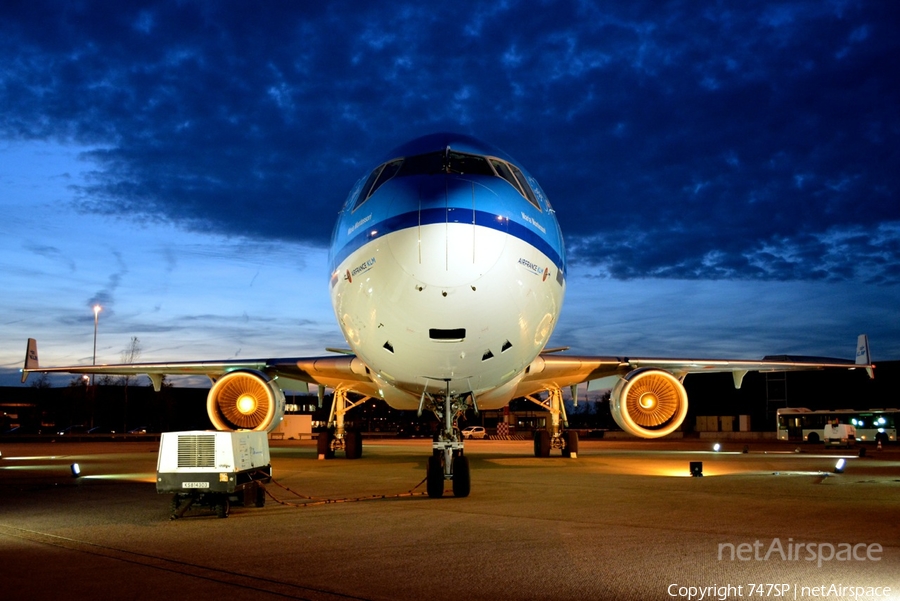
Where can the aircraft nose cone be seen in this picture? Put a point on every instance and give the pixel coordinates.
(450, 246)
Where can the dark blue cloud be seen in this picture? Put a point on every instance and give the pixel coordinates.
(676, 141)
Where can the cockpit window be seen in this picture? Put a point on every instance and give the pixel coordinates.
(423, 164)
(446, 161)
(381, 174)
(529, 194)
(468, 164)
(504, 172)
(389, 171)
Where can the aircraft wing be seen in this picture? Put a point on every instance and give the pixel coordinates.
(553, 370)
(331, 371)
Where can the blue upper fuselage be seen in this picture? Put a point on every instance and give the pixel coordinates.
(447, 178)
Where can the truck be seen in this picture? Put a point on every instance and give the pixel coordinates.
(213, 469)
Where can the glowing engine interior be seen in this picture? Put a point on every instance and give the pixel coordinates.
(649, 403)
(245, 400)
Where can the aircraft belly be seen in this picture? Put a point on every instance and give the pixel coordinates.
(449, 316)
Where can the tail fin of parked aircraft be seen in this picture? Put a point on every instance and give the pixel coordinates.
(31, 359)
(862, 354)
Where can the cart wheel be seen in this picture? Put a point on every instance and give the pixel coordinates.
(260, 495)
(222, 508)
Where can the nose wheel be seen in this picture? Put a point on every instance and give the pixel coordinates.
(447, 461)
(437, 475)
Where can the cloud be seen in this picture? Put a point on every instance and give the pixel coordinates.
(51, 253)
(105, 297)
(710, 143)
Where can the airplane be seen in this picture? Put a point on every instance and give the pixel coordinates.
(448, 272)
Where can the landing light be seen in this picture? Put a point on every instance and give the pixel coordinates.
(839, 466)
(76, 470)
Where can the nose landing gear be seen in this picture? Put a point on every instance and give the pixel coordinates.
(447, 461)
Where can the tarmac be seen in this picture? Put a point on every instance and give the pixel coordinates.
(623, 520)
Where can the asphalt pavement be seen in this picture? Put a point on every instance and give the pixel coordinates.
(623, 520)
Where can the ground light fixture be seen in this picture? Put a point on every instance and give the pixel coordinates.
(696, 469)
(76, 470)
(839, 466)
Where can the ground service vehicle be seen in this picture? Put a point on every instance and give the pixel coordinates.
(213, 469)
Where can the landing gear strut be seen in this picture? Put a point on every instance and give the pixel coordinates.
(555, 437)
(340, 438)
(447, 461)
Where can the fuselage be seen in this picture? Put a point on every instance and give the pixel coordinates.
(447, 271)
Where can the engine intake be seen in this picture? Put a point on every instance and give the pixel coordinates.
(649, 403)
(245, 400)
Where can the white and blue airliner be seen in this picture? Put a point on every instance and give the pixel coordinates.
(448, 273)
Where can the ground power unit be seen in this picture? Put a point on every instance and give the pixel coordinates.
(213, 469)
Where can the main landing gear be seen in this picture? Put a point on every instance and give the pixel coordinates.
(339, 438)
(447, 461)
(555, 437)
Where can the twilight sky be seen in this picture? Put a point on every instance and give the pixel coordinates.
(727, 176)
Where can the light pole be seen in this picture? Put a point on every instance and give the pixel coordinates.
(97, 309)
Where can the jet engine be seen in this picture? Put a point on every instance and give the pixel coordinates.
(245, 400)
(649, 403)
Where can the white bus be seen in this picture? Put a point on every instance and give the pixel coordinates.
(872, 425)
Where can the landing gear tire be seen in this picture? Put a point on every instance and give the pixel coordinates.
(462, 484)
(353, 445)
(434, 477)
(324, 444)
(541, 443)
(571, 438)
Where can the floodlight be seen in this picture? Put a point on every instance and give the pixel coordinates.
(839, 466)
(717, 447)
(76, 470)
(696, 468)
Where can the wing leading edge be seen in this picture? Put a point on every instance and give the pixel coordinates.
(344, 371)
(561, 371)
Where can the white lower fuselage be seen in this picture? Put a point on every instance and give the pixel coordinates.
(445, 282)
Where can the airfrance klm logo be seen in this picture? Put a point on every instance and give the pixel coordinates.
(535, 269)
(361, 268)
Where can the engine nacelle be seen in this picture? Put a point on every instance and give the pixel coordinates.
(649, 403)
(245, 400)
